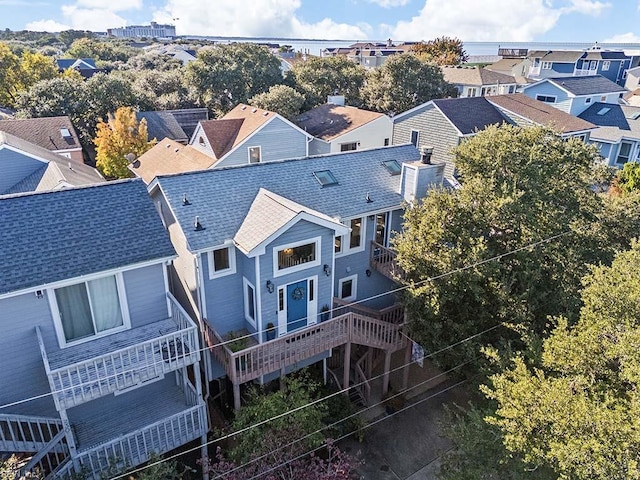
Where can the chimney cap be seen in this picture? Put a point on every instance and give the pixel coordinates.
(425, 154)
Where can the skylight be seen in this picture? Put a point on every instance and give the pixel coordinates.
(65, 132)
(603, 110)
(392, 166)
(325, 178)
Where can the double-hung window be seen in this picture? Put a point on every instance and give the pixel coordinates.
(89, 309)
(623, 153)
(222, 261)
(354, 242)
(382, 229)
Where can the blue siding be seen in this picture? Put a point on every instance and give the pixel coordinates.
(562, 98)
(21, 360)
(225, 304)
(302, 230)
(14, 167)
(146, 295)
(562, 68)
(318, 147)
(278, 140)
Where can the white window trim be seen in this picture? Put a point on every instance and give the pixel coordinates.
(346, 239)
(417, 137)
(259, 147)
(312, 305)
(246, 283)
(227, 271)
(356, 143)
(606, 65)
(354, 288)
(546, 65)
(555, 98)
(303, 266)
(57, 321)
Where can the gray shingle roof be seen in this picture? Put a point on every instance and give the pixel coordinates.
(161, 125)
(221, 198)
(53, 236)
(469, 114)
(605, 115)
(560, 56)
(588, 85)
(44, 132)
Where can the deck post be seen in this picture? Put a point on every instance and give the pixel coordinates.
(407, 363)
(387, 368)
(71, 443)
(236, 396)
(283, 378)
(347, 366)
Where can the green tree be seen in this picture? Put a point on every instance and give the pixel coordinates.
(441, 51)
(9, 76)
(67, 37)
(280, 99)
(403, 82)
(50, 98)
(119, 141)
(103, 50)
(628, 179)
(35, 67)
(319, 77)
(520, 186)
(580, 412)
(225, 75)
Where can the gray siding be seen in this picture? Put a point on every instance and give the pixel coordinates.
(22, 374)
(435, 131)
(14, 167)
(516, 119)
(146, 295)
(278, 140)
(225, 304)
(563, 102)
(319, 147)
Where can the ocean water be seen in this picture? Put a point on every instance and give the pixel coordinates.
(314, 47)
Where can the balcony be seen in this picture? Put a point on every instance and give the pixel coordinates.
(584, 72)
(85, 372)
(127, 429)
(383, 260)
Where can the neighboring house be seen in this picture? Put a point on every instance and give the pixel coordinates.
(479, 82)
(632, 82)
(443, 124)
(163, 124)
(96, 353)
(85, 66)
(575, 94)
(173, 50)
(250, 135)
(169, 157)
(53, 133)
(595, 61)
(267, 250)
(369, 54)
(618, 135)
(337, 128)
(516, 67)
(188, 118)
(25, 167)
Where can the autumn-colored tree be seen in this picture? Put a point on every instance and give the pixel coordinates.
(19, 73)
(441, 51)
(119, 141)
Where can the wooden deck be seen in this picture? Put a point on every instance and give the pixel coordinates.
(21, 433)
(383, 260)
(109, 364)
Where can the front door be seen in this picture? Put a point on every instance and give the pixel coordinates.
(297, 299)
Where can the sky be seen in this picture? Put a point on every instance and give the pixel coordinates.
(402, 20)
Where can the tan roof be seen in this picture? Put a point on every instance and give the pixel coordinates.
(268, 213)
(232, 129)
(167, 157)
(330, 121)
(475, 76)
(560, 56)
(540, 112)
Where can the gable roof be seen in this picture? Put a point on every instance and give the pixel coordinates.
(606, 115)
(615, 121)
(236, 126)
(46, 132)
(605, 55)
(329, 121)
(587, 85)
(161, 125)
(469, 115)
(66, 234)
(269, 214)
(56, 172)
(222, 198)
(167, 157)
(79, 63)
(474, 76)
(540, 112)
(504, 64)
(559, 56)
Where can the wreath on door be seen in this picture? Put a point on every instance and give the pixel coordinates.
(297, 293)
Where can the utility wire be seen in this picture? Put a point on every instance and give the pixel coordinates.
(373, 297)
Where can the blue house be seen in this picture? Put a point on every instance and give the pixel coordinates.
(271, 250)
(595, 61)
(574, 95)
(96, 353)
(618, 132)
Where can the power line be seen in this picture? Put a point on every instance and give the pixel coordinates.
(250, 335)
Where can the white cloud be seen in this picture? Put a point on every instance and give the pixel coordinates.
(490, 20)
(96, 19)
(628, 37)
(255, 18)
(46, 26)
(390, 3)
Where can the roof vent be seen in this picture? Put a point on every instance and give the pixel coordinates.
(265, 114)
(243, 107)
(368, 198)
(168, 145)
(177, 150)
(185, 200)
(254, 110)
(197, 226)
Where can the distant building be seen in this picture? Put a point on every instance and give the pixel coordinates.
(154, 30)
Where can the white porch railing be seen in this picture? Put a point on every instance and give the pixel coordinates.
(137, 447)
(22, 433)
(583, 72)
(47, 459)
(115, 370)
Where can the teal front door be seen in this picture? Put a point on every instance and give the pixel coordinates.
(297, 297)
